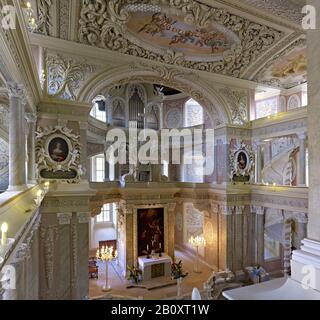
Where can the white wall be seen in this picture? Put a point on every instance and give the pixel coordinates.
(99, 233)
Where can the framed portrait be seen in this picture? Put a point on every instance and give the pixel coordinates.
(58, 149)
(242, 160)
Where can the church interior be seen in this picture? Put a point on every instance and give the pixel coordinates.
(93, 208)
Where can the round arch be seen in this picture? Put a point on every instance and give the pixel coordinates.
(187, 83)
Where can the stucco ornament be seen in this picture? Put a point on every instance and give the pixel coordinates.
(105, 25)
(65, 75)
(58, 154)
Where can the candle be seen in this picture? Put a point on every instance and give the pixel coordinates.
(4, 230)
(147, 247)
(160, 246)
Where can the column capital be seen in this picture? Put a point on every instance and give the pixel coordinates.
(83, 125)
(239, 209)
(83, 217)
(16, 90)
(302, 135)
(171, 207)
(226, 209)
(64, 218)
(259, 210)
(31, 117)
(258, 142)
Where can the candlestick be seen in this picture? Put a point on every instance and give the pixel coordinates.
(4, 230)
(148, 257)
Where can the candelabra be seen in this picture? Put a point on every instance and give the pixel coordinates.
(197, 242)
(106, 254)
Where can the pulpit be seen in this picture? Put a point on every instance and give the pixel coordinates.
(155, 267)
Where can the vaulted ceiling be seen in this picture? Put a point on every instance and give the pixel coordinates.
(258, 40)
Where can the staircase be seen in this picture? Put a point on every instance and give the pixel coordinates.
(282, 168)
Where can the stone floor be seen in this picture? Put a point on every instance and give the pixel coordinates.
(119, 284)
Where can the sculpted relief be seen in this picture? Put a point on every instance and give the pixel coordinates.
(173, 32)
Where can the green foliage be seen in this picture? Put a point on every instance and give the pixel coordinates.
(134, 274)
(177, 271)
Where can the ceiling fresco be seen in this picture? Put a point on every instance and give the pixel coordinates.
(184, 33)
(288, 69)
(257, 40)
(160, 32)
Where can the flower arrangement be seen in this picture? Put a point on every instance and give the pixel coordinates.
(134, 274)
(177, 271)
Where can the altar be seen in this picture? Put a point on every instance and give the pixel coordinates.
(155, 266)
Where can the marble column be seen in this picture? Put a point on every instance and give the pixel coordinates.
(17, 150)
(82, 254)
(171, 229)
(260, 234)
(32, 122)
(106, 169)
(258, 161)
(302, 159)
(287, 244)
(83, 156)
(106, 163)
(301, 221)
(117, 171)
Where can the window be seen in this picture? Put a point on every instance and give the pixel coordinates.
(98, 167)
(108, 214)
(105, 215)
(96, 113)
(265, 108)
(193, 113)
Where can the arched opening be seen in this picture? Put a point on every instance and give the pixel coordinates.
(194, 114)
